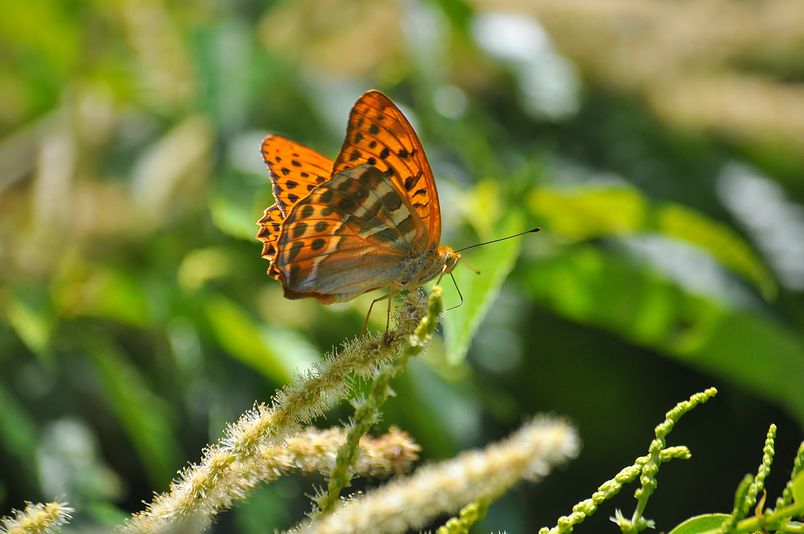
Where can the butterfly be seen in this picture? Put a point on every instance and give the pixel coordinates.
(369, 220)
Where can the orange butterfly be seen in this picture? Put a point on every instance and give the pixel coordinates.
(369, 220)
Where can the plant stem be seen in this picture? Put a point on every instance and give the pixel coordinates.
(368, 412)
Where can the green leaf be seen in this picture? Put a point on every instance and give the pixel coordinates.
(494, 263)
(230, 217)
(584, 213)
(107, 514)
(610, 291)
(700, 524)
(589, 212)
(273, 351)
(32, 322)
(202, 265)
(720, 241)
(798, 489)
(143, 415)
(107, 292)
(17, 430)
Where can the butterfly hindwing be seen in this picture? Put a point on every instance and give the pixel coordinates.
(378, 134)
(295, 170)
(270, 224)
(349, 236)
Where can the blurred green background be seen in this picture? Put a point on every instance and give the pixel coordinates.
(660, 146)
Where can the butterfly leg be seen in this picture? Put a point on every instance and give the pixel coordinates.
(459, 294)
(386, 337)
(371, 306)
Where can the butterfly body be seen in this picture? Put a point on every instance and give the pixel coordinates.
(369, 220)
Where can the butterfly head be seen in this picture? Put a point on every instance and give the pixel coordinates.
(449, 259)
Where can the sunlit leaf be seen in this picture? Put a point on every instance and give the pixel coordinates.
(717, 239)
(583, 213)
(232, 219)
(700, 524)
(494, 262)
(32, 323)
(273, 351)
(202, 265)
(589, 212)
(108, 292)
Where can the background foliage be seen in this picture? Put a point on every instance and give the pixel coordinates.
(659, 145)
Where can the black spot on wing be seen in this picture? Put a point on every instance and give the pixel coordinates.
(388, 235)
(299, 229)
(406, 225)
(295, 248)
(391, 201)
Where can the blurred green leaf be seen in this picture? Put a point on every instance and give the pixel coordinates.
(144, 416)
(274, 352)
(604, 290)
(494, 262)
(267, 505)
(109, 292)
(700, 524)
(718, 240)
(230, 218)
(202, 265)
(589, 212)
(107, 514)
(32, 321)
(17, 430)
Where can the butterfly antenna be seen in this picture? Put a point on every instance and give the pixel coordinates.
(466, 264)
(531, 231)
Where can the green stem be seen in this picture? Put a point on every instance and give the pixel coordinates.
(368, 412)
(365, 417)
(773, 520)
(651, 468)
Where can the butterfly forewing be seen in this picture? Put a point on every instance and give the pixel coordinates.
(349, 236)
(379, 135)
